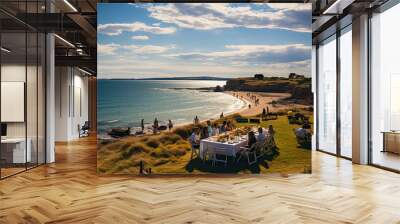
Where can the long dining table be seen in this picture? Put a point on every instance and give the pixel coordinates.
(229, 148)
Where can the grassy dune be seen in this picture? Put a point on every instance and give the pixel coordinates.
(170, 153)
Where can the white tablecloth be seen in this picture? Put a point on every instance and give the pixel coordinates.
(229, 149)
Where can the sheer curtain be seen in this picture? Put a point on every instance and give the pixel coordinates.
(327, 95)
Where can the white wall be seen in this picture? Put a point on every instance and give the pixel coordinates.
(71, 87)
(14, 73)
(33, 127)
(314, 90)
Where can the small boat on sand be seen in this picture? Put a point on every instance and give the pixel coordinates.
(119, 132)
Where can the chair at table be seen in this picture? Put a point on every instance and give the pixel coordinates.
(221, 152)
(207, 155)
(195, 150)
(249, 152)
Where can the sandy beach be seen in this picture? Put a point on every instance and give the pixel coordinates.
(264, 101)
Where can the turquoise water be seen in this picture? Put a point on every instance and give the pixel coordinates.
(123, 103)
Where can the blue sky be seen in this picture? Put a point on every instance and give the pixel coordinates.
(224, 40)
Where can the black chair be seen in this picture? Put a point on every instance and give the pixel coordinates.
(84, 130)
(248, 152)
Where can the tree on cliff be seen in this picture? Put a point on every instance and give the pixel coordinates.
(259, 76)
(218, 88)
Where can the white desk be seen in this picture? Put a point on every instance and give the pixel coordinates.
(19, 155)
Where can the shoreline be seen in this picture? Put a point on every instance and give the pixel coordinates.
(148, 126)
(264, 98)
(211, 119)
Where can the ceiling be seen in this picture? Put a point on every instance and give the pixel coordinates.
(75, 22)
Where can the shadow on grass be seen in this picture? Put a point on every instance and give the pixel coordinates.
(233, 166)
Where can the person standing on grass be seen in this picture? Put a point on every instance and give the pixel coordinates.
(271, 130)
(170, 125)
(196, 120)
(155, 126)
(194, 138)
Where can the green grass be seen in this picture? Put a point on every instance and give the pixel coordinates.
(170, 153)
(291, 158)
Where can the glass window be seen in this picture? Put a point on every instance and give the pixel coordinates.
(41, 88)
(31, 98)
(346, 93)
(327, 95)
(13, 86)
(385, 89)
(22, 92)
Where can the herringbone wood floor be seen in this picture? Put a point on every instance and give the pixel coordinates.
(70, 191)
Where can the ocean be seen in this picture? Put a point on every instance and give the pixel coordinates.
(123, 103)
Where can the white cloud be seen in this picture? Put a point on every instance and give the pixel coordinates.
(107, 49)
(114, 29)
(127, 68)
(111, 49)
(140, 37)
(259, 54)
(289, 6)
(206, 16)
(148, 49)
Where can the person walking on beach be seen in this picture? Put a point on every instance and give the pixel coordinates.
(155, 126)
(170, 125)
(196, 120)
(142, 125)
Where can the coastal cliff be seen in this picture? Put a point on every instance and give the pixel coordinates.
(299, 88)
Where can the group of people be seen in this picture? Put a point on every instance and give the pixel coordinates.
(254, 98)
(237, 95)
(156, 125)
(265, 112)
(215, 129)
(200, 133)
(262, 135)
(303, 135)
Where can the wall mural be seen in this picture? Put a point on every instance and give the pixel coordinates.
(204, 88)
